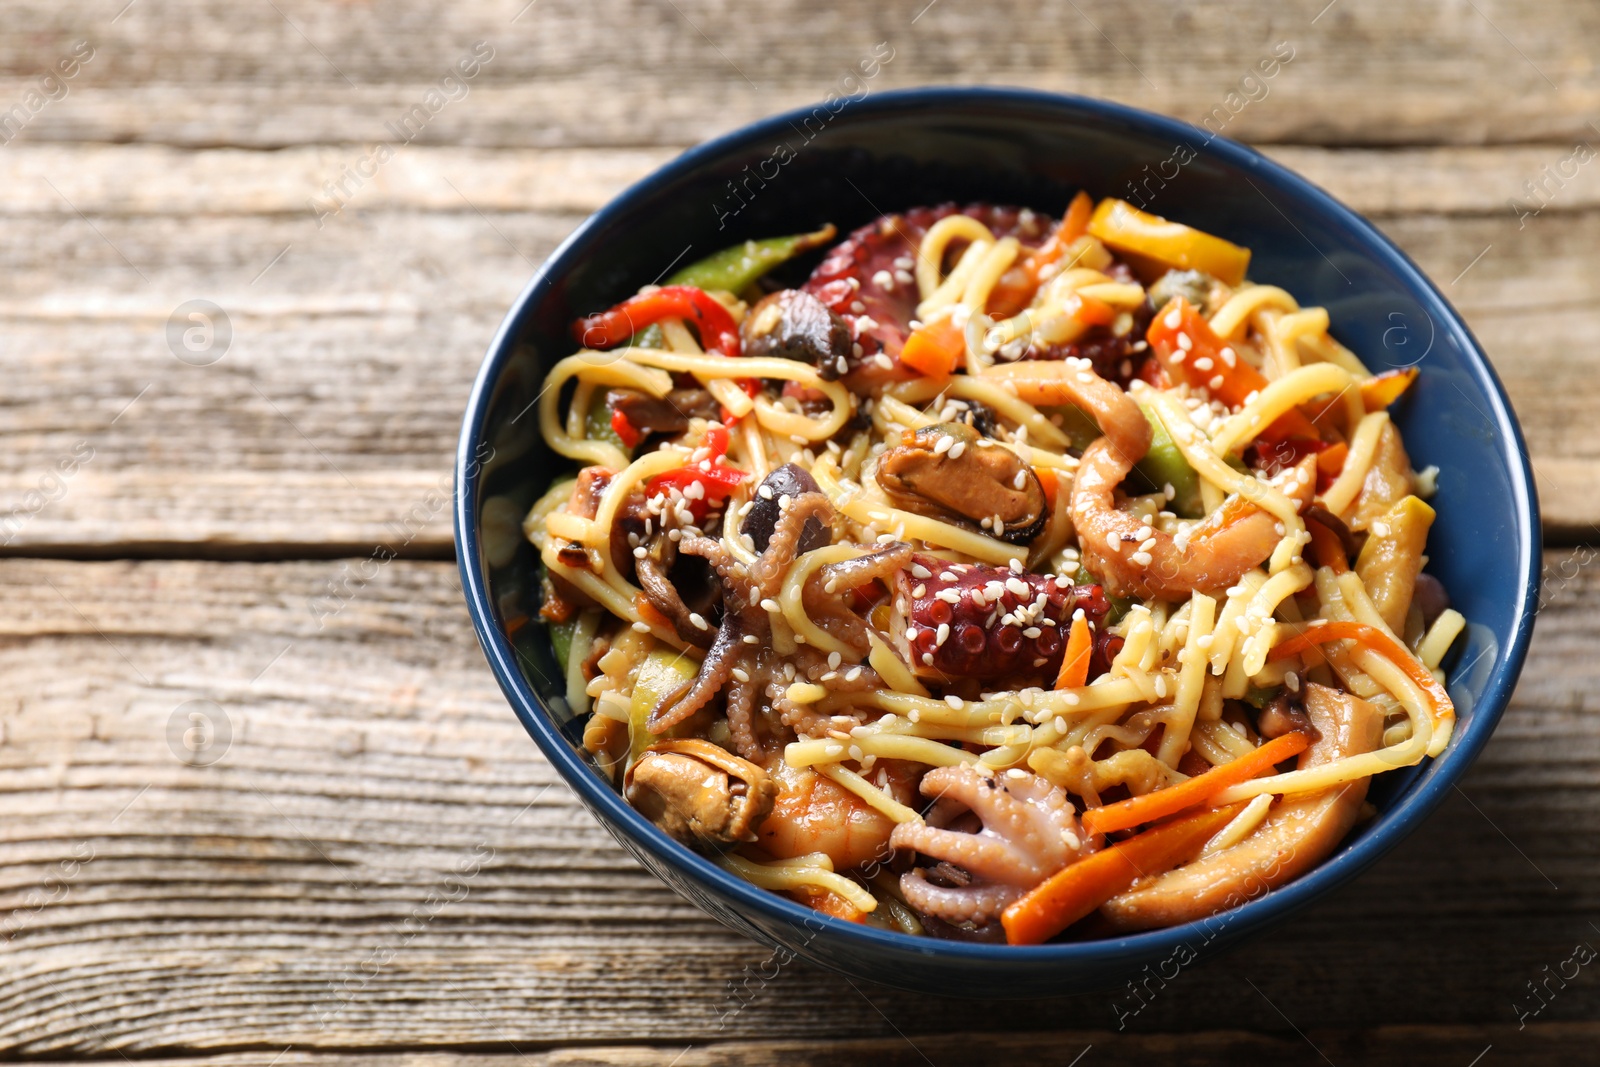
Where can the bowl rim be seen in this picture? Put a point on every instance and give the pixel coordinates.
(1389, 828)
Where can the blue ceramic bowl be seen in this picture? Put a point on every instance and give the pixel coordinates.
(924, 146)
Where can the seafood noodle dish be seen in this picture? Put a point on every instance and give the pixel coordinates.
(1012, 576)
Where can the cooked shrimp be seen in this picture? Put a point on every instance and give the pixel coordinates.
(812, 814)
(1135, 559)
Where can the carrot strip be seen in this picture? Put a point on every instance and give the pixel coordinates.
(1325, 547)
(1201, 363)
(934, 349)
(1074, 891)
(1126, 814)
(828, 902)
(1075, 664)
(1012, 293)
(1330, 460)
(1444, 710)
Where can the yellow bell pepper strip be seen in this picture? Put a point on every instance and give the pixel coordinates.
(1016, 287)
(1124, 228)
(1135, 811)
(735, 269)
(1079, 888)
(1185, 342)
(1163, 465)
(935, 350)
(1370, 637)
(663, 671)
(1381, 390)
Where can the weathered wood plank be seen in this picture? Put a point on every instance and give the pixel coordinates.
(562, 74)
(1400, 1046)
(144, 179)
(280, 894)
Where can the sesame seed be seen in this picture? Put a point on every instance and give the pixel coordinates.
(1141, 559)
(751, 639)
(741, 674)
(1017, 586)
(947, 576)
(1015, 564)
(770, 605)
(942, 635)
(949, 596)
(1215, 382)
(1173, 319)
(699, 620)
(883, 280)
(1032, 632)
(834, 750)
(1184, 341)
(957, 448)
(978, 600)
(1016, 772)
(641, 627)
(927, 660)
(1060, 724)
(856, 753)
(853, 674)
(919, 571)
(1203, 363)
(943, 445)
(640, 553)
(1020, 480)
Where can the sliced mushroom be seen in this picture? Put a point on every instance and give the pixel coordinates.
(793, 324)
(1299, 831)
(679, 587)
(696, 791)
(647, 413)
(786, 482)
(949, 468)
(1284, 714)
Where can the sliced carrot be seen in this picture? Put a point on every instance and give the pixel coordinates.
(1094, 312)
(1126, 814)
(1318, 633)
(1381, 390)
(1330, 460)
(1073, 892)
(1049, 483)
(1017, 286)
(935, 349)
(1326, 547)
(829, 903)
(1201, 362)
(650, 613)
(1075, 664)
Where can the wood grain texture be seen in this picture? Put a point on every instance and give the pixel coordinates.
(336, 408)
(571, 72)
(276, 890)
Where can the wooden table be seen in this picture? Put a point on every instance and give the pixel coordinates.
(262, 801)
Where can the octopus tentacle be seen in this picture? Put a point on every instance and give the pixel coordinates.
(766, 573)
(741, 719)
(695, 694)
(1029, 831)
(663, 596)
(973, 903)
(824, 601)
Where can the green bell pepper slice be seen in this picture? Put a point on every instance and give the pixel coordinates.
(736, 269)
(1164, 465)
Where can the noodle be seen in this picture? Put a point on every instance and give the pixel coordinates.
(1055, 538)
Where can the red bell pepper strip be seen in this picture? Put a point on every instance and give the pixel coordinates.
(717, 480)
(625, 430)
(1202, 363)
(718, 332)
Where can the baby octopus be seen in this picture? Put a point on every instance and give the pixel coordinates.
(1030, 831)
(742, 659)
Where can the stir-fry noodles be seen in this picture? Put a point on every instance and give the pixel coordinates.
(1010, 576)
